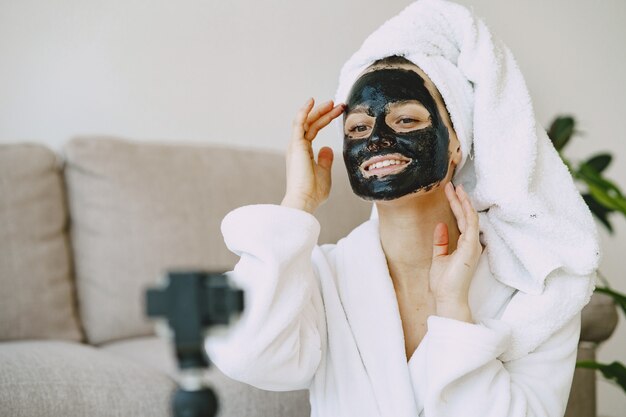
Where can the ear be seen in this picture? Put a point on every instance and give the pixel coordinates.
(455, 150)
(458, 154)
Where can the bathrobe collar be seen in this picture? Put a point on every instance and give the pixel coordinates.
(371, 306)
(365, 281)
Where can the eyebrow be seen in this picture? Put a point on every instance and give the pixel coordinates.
(404, 102)
(358, 109)
(361, 109)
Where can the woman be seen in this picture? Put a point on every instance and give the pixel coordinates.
(395, 110)
(407, 316)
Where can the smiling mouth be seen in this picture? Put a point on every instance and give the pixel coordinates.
(383, 165)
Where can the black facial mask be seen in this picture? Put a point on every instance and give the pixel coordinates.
(427, 148)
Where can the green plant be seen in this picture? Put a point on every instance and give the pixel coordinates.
(603, 197)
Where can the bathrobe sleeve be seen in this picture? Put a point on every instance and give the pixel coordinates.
(277, 342)
(464, 377)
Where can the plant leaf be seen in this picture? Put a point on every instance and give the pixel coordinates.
(560, 131)
(620, 299)
(613, 371)
(599, 162)
(599, 211)
(603, 190)
(602, 197)
(590, 172)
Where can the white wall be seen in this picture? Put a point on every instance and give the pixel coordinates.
(234, 72)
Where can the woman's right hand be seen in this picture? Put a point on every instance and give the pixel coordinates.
(308, 182)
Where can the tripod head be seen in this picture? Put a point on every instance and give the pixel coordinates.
(193, 302)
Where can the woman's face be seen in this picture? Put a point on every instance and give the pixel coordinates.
(398, 138)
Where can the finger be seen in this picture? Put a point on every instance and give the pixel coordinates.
(323, 121)
(457, 207)
(462, 195)
(440, 240)
(471, 215)
(317, 113)
(325, 158)
(298, 121)
(455, 204)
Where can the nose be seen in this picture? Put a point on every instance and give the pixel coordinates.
(378, 142)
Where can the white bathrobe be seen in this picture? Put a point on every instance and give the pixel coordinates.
(326, 318)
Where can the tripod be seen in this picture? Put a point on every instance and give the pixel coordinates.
(192, 303)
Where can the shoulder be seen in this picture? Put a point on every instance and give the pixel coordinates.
(488, 297)
(326, 257)
(365, 231)
(560, 345)
(548, 317)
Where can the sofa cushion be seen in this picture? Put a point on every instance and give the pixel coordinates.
(235, 398)
(55, 378)
(139, 209)
(36, 288)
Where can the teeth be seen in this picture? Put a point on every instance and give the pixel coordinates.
(385, 163)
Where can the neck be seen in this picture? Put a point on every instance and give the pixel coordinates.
(406, 228)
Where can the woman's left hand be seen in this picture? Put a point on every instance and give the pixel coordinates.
(451, 274)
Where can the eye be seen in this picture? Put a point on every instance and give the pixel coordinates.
(358, 128)
(358, 125)
(406, 116)
(358, 131)
(407, 122)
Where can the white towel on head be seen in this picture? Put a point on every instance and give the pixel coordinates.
(533, 220)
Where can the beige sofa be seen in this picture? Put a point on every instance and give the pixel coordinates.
(83, 234)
